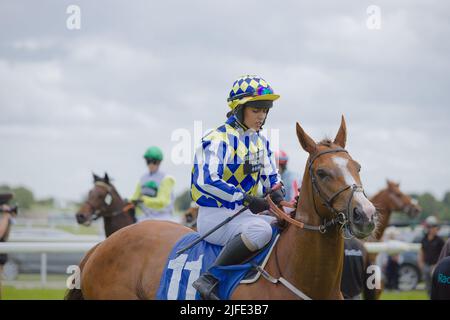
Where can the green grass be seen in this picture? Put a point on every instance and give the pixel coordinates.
(90, 230)
(404, 295)
(11, 293)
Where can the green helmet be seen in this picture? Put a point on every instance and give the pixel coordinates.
(154, 153)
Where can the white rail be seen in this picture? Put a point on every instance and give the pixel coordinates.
(390, 247)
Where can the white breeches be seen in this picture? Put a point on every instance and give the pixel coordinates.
(255, 229)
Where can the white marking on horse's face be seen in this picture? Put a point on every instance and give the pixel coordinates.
(359, 196)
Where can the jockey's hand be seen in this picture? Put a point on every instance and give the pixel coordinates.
(277, 196)
(136, 202)
(256, 204)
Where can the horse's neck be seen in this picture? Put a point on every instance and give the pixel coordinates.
(381, 201)
(119, 219)
(315, 265)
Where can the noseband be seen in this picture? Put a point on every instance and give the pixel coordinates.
(97, 212)
(341, 218)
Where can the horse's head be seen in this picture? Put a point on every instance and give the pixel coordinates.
(190, 217)
(337, 191)
(99, 202)
(399, 201)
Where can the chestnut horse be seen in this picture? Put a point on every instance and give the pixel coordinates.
(392, 199)
(104, 201)
(386, 201)
(308, 254)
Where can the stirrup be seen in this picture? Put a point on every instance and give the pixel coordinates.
(206, 286)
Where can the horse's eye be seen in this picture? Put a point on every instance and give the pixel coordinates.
(322, 174)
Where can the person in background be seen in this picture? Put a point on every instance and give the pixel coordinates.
(154, 192)
(431, 248)
(354, 274)
(290, 179)
(445, 252)
(7, 213)
(392, 272)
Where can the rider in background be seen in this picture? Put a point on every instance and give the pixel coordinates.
(290, 179)
(228, 166)
(154, 192)
(431, 248)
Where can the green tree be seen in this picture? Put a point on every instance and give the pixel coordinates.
(22, 196)
(446, 200)
(429, 204)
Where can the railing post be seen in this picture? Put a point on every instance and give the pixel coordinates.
(43, 269)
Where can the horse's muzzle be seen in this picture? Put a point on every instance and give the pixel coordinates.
(81, 219)
(361, 225)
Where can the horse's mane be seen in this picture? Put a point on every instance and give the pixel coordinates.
(326, 142)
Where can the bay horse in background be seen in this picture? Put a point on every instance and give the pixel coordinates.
(308, 254)
(105, 202)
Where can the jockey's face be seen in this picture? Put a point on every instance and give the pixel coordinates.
(153, 165)
(254, 117)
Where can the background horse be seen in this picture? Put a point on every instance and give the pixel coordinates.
(104, 201)
(388, 200)
(190, 218)
(392, 199)
(308, 254)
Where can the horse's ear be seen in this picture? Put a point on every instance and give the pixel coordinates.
(96, 177)
(106, 178)
(341, 137)
(306, 142)
(391, 184)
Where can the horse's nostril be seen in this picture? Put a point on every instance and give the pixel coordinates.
(80, 218)
(357, 215)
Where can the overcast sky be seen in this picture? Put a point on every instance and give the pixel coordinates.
(137, 73)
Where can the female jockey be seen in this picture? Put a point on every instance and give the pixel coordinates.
(228, 165)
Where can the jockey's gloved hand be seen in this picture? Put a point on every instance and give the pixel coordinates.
(256, 204)
(277, 196)
(136, 201)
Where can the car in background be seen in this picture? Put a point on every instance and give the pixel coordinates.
(409, 272)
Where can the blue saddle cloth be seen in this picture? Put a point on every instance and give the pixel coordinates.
(181, 271)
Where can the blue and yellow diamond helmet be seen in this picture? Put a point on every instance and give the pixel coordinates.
(250, 88)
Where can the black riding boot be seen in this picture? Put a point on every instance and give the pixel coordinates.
(234, 252)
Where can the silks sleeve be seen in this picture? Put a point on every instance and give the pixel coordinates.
(269, 174)
(137, 193)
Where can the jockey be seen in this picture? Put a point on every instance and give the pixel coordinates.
(154, 192)
(290, 179)
(228, 166)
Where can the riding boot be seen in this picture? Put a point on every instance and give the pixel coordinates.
(233, 253)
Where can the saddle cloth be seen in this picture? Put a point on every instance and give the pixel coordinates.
(181, 271)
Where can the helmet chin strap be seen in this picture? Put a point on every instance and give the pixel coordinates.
(239, 113)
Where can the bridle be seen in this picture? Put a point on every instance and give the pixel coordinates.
(107, 203)
(405, 207)
(340, 218)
